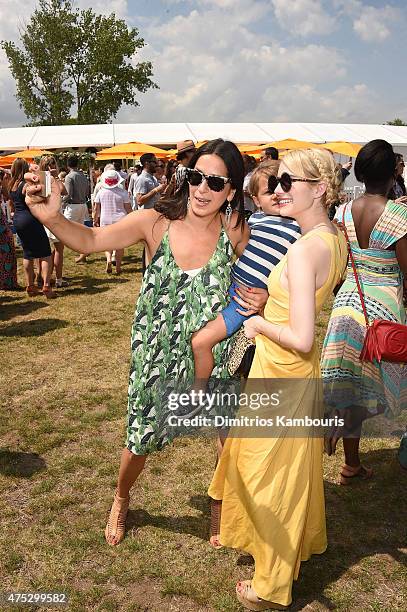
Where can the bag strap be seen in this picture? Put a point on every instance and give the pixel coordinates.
(355, 272)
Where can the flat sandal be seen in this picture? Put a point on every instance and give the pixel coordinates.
(361, 472)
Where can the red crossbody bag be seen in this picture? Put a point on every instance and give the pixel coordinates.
(384, 340)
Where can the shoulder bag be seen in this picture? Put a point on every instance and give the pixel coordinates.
(384, 340)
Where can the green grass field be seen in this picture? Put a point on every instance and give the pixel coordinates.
(64, 366)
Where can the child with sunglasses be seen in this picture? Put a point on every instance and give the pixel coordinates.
(270, 237)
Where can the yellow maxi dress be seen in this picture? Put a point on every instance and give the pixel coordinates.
(272, 487)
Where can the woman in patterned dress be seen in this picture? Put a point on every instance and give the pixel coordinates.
(190, 245)
(377, 229)
(8, 260)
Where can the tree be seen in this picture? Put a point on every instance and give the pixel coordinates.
(76, 66)
(395, 122)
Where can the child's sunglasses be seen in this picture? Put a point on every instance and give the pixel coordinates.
(214, 182)
(285, 181)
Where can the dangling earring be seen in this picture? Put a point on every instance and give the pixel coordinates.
(228, 213)
(188, 202)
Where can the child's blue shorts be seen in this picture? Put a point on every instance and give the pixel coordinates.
(233, 319)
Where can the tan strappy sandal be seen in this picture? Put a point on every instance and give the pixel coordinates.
(216, 511)
(116, 524)
(248, 598)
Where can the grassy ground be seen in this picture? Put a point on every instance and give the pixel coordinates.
(64, 367)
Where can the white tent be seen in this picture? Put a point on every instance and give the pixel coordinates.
(104, 135)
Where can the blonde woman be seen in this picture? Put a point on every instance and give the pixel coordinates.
(48, 162)
(270, 481)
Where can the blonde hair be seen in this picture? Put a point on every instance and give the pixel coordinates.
(267, 168)
(317, 164)
(47, 162)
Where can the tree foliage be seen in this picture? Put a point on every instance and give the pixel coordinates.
(75, 66)
(396, 122)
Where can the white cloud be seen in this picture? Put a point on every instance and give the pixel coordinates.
(343, 104)
(303, 17)
(212, 69)
(374, 24)
(370, 23)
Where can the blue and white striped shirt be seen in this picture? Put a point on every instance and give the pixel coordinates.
(270, 237)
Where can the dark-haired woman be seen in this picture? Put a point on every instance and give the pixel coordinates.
(190, 246)
(398, 191)
(377, 229)
(30, 231)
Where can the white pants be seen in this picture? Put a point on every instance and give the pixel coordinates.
(76, 212)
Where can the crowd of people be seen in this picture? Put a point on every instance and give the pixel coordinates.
(267, 491)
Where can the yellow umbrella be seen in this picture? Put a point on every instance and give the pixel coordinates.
(129, 151)
(30, 153)
(344, 148)
(291, 144)
(250, 149)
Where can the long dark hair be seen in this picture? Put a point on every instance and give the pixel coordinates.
(399, 180)
(18, 169)
(175, 207)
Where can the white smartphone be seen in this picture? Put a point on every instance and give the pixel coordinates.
(45, 181)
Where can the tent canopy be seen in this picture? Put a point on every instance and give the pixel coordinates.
(167, 134)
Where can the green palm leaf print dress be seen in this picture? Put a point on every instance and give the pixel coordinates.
(171, 306)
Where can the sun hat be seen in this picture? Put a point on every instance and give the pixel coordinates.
(185, 145)
(111, 179)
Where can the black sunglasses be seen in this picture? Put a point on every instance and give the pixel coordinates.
(214, 182)
(285, 181)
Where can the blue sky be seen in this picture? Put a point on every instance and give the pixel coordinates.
(255, 60)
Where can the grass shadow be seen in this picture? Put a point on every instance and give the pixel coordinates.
(91, 286)
(36, 327)
(192, 525)
(20, 309)
(22, 465)
(197, 526)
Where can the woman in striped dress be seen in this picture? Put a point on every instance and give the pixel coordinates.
(377, 229)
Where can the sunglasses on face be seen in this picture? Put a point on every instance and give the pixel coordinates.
(286, 181)
(214, 182)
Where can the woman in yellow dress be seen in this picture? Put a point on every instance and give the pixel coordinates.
(271, 487)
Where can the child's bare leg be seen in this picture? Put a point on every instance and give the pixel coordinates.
(203, 342)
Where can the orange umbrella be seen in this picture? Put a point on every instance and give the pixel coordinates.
(6, 160)
(129, 151)
(30, 153)
(344, 148)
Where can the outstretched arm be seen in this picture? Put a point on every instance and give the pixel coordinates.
(299, 333)
(130, 230)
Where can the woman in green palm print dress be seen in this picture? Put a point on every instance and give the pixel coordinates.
(190, 243)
